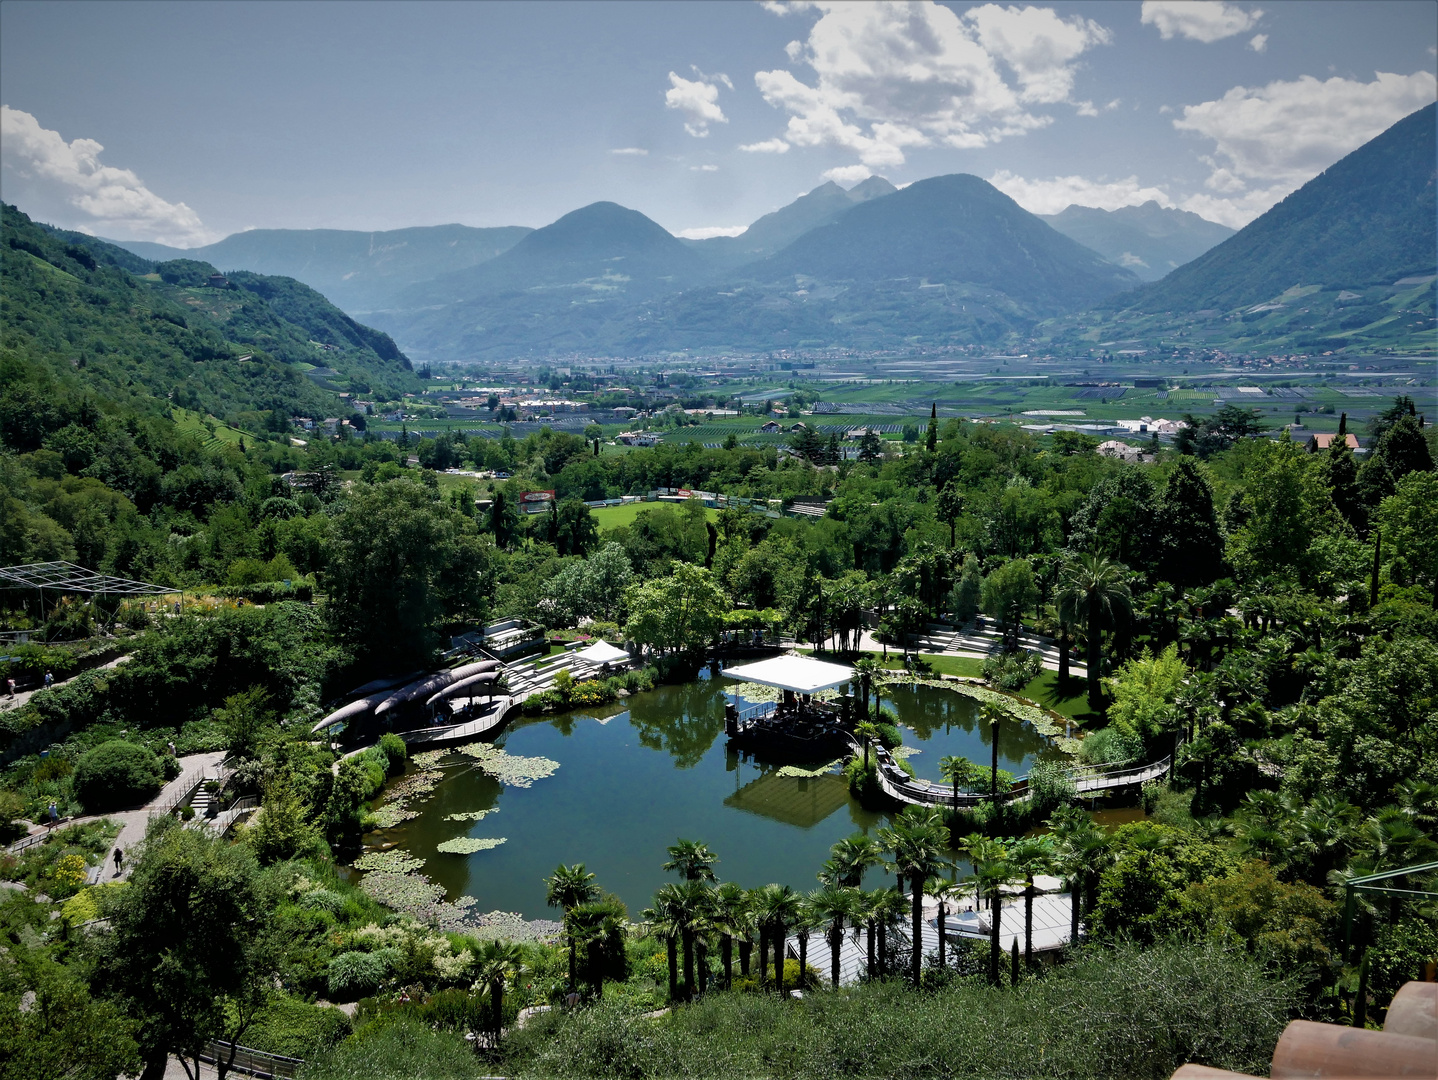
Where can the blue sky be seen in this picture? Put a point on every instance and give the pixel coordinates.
(183, 122)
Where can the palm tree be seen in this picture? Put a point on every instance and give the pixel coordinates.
(666, 919)
(1092, 591)
(730, 919)
(994, 717)
(956, 770)
(940, 888)
(852, 857)
(916, 842)
(868, 732)
(868, 670)
(1072, 830)
(593, 924)
(498, 961)
(692, 860)
(890, 907)
(1031, 855)
(696, 901)
(835, 904)
(567, 888)
(776, 909)
(992, 871)
(805, 923)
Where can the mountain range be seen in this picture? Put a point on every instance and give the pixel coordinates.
(1150, 240)
(948, 260)
(355, 270)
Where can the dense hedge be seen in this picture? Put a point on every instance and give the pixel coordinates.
(117, 774)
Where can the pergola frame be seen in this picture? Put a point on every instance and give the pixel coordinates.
(66, 578)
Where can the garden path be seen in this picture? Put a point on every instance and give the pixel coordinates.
(135, 821)
(22, 697)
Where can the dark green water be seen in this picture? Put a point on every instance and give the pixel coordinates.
(633, 780)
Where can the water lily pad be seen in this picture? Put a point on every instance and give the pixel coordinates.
(509, 769)
(473, 815)
(393, 861)
(468, 845)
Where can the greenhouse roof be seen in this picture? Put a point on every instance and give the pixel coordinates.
(800, 674)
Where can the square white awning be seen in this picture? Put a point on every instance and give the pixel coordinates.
(601, 652)
(801, 674)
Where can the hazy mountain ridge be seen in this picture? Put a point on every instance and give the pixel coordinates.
(777, 230)
(950, 259)
(357, 271)
(1149, 240)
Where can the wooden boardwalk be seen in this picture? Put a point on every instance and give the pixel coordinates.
(468, 731)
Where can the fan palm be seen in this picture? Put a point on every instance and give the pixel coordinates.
(1092, 591)
(694, 901)
(852, 857)
(916, 842)
(665, 918)
(776, 909)
(497, 962)
(869, 733)
(992, 870)
(730, 919)
(835, 905)
(567, 888)
(1031, 856)
(692, 860)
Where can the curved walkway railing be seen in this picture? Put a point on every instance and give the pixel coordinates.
(902, 787)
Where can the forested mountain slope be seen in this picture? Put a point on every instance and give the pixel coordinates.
(1368, 220)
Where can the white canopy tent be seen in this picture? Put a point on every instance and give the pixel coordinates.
(601, 652)
(799, 674)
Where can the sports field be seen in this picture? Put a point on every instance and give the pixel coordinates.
(611, 517)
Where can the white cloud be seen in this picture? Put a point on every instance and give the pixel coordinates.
(1259, 43)
(630, 151)
(768, 146)
(1272, 139)
(705, 232)
(1198, 20)
(698, 100)
(703, 168)
(112, 200)
(1052, 195)
(892, 75)
(848, 174)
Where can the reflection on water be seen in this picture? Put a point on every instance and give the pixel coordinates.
(633, 780)
(941, 723)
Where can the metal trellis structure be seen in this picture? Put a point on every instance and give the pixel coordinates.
(67, 578)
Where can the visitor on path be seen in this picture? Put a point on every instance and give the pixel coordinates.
(49, 680)
(170, 747)
(54, 815)
(11, 684)
(119, 862)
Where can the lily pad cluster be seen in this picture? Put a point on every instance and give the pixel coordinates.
(467, 845)
(473, 815)
(1038, 718)
(414, 894)
(393, 861)
(801, 771)
(512, 770)
(414, 786)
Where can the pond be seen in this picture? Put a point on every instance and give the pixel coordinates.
(633, 778)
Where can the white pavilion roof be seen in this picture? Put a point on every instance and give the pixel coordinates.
(601, 652)
(801, 674)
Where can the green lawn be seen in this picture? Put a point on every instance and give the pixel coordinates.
(611, 517)
(1068, 699)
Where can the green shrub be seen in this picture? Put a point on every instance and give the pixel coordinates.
(545, 701)
(117, 774)
(889, 734)
(1109, 746)
(395, 751)
(1050, 786)
(1012, 671)
(353, 975)
(323, 900)
(294, 1028)
(400, 1050)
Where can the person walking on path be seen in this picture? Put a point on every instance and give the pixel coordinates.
(10, 684)
(49, 680)
(54, 814)
(119, 862)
